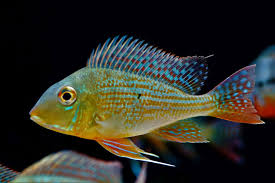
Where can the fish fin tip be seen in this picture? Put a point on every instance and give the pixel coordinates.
(161, 163)
(260, 122)
(149, 154)
(156, 162)
(212, 55)
(124, 148)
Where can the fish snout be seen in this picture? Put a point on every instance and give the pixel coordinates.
(33, 111)
(34, 115)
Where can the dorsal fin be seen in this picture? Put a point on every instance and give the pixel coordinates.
(69, 164)
(133, 56)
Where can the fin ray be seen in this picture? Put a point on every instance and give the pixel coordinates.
(231, 97)
(186, 130)
(133, 56)
(7, 174)
(126, 148)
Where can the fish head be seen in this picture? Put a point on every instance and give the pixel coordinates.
(59, 107)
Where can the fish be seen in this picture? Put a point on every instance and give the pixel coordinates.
(130, 88)
(264, 94)
(69, 166)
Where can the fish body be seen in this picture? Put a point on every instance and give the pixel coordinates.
(264, 95)
(135, 105)
(129, 88)
(132, 105)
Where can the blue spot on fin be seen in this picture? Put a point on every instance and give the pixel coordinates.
(133, 56)
(231, 97)
(186, 130)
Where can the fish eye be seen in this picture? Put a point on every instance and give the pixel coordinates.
(67, 95)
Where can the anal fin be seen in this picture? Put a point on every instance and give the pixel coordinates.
(186, 130)
(126, 148)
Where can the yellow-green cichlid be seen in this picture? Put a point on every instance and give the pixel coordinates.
(129, 88)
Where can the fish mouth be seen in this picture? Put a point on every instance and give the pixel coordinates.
(36, 119)
(39, 121)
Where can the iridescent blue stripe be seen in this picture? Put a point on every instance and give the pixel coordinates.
(118, 148)
(74, 118)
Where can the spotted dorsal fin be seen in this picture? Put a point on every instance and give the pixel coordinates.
(133, 56)
(76, 167)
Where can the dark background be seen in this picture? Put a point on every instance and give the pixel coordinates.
(54, 39)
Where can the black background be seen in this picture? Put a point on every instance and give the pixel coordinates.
(54, 39)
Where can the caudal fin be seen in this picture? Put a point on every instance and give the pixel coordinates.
(231, 97)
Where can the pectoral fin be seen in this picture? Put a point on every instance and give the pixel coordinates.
(186, 130)
(126, 148)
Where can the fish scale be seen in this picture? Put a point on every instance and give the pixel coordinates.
(158, 101)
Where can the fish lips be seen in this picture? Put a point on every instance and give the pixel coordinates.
(40, 122)
(36, 119)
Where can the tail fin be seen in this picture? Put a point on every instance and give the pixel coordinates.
(231, 97)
